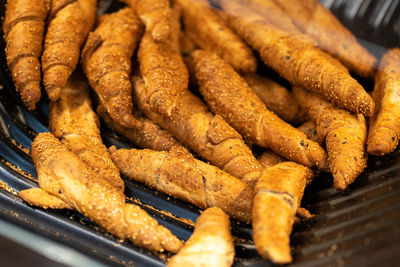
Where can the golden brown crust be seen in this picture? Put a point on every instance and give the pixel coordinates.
(208, 135)
(228, 95)
(148, 135)
(277, 196)
(106, 61)
(180, 175)
(269, 159)
(67, 30)
(64, 176)
(319, 23)
(344, 133)
(384, 131)
(57, 5)
(295, 59)
(272, 12)
(156, 15)
(40, 198)
(210, 32)
(211, 243)
(162, 68)
(73, 120)
(276, 98)
(310, 130)
(23, 29)
(277, 17)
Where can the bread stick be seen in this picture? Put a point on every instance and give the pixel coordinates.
(63, 175)
(23, 29)
(344, 133)
(384, 131)
(330, 34)
(295, 59)
(148, 135)
(73, 120)
(156, 15)
(69, 25)
(275, 97)
(204, 133)
(106, 61)
(180, 175)
(211, 243)
(272, 12)
(210, 32)
(162, 68)
(228, 95)
(277, 196)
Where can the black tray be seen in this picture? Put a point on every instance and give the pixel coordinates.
(358, 227)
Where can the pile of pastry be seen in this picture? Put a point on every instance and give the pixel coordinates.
(178, 79)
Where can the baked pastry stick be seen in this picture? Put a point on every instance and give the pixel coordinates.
(69, 25)
(277, 196)
(23, 29)
(321, 26)
(162, 68)
(276, 16)
(73, 120)
(275, 97)
(272, 12)
(106, 61)
(269, 159)
(384, 131)
(298, 61)
(204, 133)
(156, 15)
(148, 135)
(211, 243)
(63, 175)
(344, 133)
(331, 36)
(179, 174)
(210, 32)
(228, 95)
